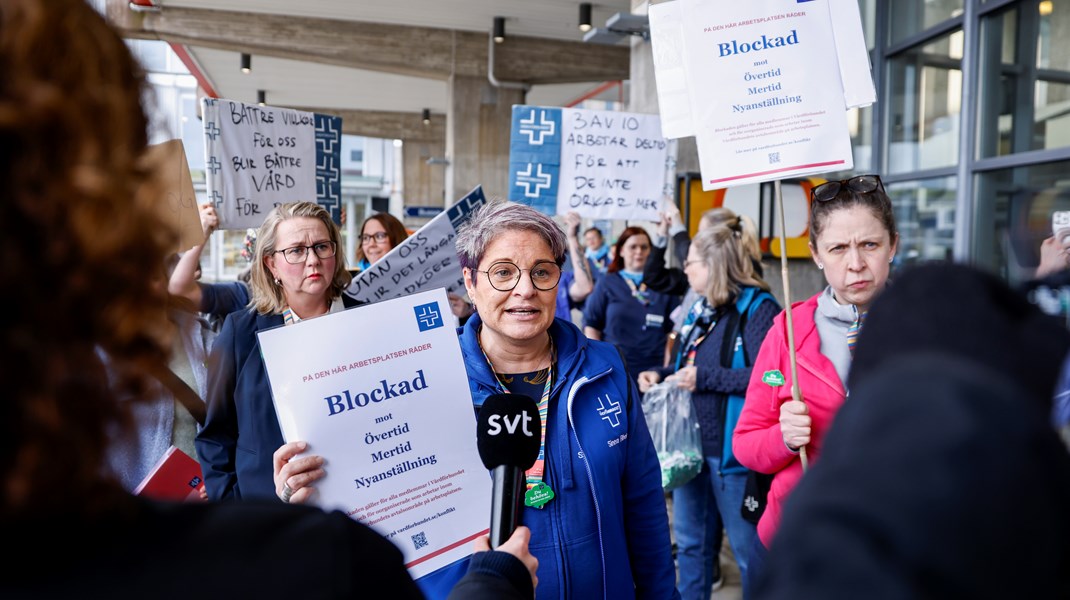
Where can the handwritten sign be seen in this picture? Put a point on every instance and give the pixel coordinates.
(424, 261)
(758, 114)
(178, 204)
(391, 412)
(260, 156)
(601, 164)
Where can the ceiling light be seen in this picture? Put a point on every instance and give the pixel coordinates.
(427, 116)
(585, 16)
(499, 29)
(261, 97)
(1046, 7)
(246, 63)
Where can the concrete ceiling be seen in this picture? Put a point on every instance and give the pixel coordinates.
(300, 83)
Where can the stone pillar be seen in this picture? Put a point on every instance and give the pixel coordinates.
(424, 183)
(477, 136)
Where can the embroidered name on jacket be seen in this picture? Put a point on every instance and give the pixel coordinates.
(610, 413)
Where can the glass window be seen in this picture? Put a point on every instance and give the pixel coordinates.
(909, 17)
(1013, 216)
(1025, 86)
(925, 216)
(924, 105)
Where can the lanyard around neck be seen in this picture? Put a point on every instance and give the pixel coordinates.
(536, 472)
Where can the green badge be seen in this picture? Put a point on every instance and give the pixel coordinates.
(773, 378)
(538, 496)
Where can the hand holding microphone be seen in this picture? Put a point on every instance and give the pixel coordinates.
(508, 436)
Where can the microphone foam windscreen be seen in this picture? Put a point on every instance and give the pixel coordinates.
(508, 431)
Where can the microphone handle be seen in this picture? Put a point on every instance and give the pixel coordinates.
(507, 502)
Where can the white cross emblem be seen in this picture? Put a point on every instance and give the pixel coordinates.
(545, 127)
(611, 414)
(540, 180)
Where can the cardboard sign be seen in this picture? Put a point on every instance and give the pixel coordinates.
(601, 164)
(258, 157)
(178, 203)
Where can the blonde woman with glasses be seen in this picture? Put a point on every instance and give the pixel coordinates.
(298, 274)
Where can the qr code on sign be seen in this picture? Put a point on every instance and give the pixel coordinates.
(419, 540)
(774, 157)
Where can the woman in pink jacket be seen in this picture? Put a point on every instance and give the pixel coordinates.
(853, 240)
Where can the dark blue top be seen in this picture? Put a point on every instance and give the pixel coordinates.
(638, 330)
(220, 299)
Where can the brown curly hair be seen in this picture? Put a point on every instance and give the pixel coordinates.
(82, 247)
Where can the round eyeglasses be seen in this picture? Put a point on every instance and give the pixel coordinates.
(298, 254)
(504, 276)
(862, 184)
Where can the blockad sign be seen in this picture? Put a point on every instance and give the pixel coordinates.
(390, 411)
(258, 157)
(426, 260)
(759, 111)
(601, 164)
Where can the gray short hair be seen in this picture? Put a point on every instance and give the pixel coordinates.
(498, 217)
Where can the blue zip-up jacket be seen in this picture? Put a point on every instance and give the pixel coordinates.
(606, 532)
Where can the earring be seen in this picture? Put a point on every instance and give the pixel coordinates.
(820, 266)
(890, 259)
(278, 282)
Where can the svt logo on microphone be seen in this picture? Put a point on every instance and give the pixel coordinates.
(511, 424)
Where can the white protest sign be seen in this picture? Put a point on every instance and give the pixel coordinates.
(671, 75)
(601, 164)
(256, 158)
(390, 411)
(426, 260)
(759, 113)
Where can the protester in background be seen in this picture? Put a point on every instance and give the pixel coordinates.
(461, 307)
(172, 413)
(72, 133)
(942, 460)
(597, 251)
(624, 312)
(734, 312)
(297, 274)
(576, 283)
(604, 533)
(1050, 291)
(853, 240)
(379, 234)
(215, 300)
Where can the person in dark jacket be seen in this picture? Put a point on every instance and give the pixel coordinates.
(297, 274)
(735, 307)
(80, 355)
(941, 476)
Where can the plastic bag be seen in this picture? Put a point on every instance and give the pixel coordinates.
(673, 426)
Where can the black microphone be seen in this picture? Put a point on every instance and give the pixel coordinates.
(507, 435)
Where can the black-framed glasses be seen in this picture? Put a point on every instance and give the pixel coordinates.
(505, 275)
(298, 254)
(379, 237)
(862, 184)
